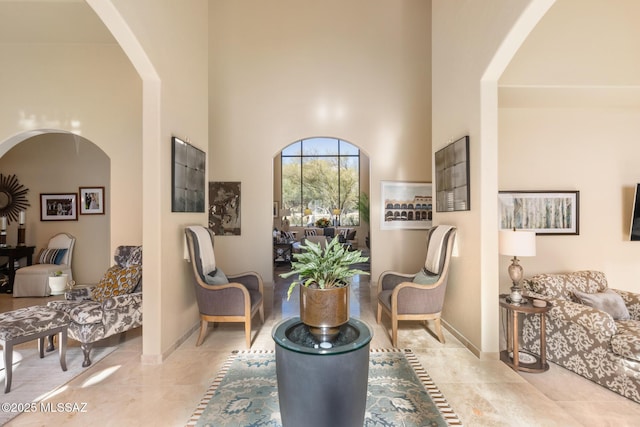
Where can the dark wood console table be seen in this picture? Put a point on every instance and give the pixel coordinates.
(15, 253)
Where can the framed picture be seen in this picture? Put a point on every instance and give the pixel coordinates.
(59, 207)
(224, 208)
(406, 205)
(452, 177)
(545, 212)
(91, 200)
(187, 176)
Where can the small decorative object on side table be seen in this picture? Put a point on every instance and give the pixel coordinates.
(519, 360)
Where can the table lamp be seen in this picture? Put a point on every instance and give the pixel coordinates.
(22, 231)
(336, 213)
(516, 243)
(3, 232)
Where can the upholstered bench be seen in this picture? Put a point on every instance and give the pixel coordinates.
(30, 323)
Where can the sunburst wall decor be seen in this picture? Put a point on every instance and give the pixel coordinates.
(13, 197)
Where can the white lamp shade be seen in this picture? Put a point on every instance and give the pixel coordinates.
(517, 243)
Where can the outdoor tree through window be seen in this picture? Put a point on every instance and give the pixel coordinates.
(321, 178)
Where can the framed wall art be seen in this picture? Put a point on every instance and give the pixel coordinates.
(406, 205)
(452, 177)
(224, 208)
(59, 207)
(188, 177)
(91, 200)
(545, 212)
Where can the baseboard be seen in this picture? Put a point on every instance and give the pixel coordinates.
(156, 359)
(482, 355)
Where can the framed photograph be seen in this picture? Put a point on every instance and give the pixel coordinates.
(187, 176)
(406, 205)
(91, 200)
(452, 177)
(224, 208)
(545, 212)
(59, 207)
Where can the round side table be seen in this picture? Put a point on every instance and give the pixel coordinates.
(512, 311)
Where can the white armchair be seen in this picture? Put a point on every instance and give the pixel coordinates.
(33, 280)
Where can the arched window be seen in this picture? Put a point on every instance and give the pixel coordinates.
(321, 178)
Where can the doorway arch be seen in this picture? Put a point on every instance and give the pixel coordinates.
(54, 161)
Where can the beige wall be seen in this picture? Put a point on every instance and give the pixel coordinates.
(569, 120)
(285, 70)
(90, 90)
(166, 42)
(61, 163)
(472, 44)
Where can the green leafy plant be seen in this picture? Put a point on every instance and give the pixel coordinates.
(363, 207)
(325, 268)
(57, 273)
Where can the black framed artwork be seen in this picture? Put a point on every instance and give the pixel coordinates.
(187, 176)
(452, 177)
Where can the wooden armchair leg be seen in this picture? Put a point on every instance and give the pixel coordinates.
(203, 332)
(379, 316)
(394, 332)
(247, 332)
(439, 330)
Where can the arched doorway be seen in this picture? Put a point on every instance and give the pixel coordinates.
(60, 162)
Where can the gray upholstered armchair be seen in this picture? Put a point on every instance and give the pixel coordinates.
(112, 306)
(221, 298)
(419, 296)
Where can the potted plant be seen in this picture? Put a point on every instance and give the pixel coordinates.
(324, 276)
(323, 223)
(323, 346)
(363, 208)
(58, 283)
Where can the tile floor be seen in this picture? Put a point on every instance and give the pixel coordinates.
(120, 391)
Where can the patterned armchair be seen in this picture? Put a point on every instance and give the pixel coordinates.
(112, 306)
(591, 329)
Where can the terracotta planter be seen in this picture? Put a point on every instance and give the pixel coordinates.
(324, 310)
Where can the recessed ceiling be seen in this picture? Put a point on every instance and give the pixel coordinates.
(51, 21)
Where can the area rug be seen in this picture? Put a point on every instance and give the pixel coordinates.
(400, 393)
(35, 379)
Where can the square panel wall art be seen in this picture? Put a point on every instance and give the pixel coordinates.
(545, 212)
(224, 208)
(188, 177)
(452, 176)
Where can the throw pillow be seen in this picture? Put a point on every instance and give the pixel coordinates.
(117, 281)
(608, 301)
(425, 279)
(216, 277)
(51, 256)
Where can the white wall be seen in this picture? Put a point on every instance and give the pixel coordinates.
(285, 70)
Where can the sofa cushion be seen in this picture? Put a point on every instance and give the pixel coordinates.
(82, 313)
(607, 301)
(51, 256)
(626, 342)
(116, 281)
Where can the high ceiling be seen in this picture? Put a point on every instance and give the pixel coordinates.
(51, 21)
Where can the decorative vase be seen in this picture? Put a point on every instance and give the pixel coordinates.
(324, 310)
(58, 284)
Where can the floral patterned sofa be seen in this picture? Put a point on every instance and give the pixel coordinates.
(591, 329)
(111, 307)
